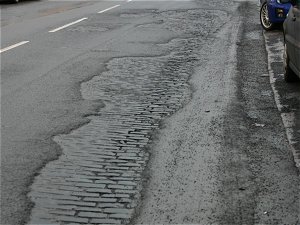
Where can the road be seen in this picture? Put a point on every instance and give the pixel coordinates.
(145, 112)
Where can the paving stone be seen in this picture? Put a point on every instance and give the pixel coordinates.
(85, 194)
(115, 196)
(110, 174)
(118, 211)
(105, 181)
(127, 154)
(119, 216)
(87, 177)
(90, 185)
(116, 168)
(129, 159)
(116, 186)
(122, 196)
(89, 209)
(72, 219)
(63, 212)
(133, 149)
(61, 207)
(66, 197)
(77, 203)
(127, 183)
(116, 161)
(125, 200)
(69, 188)
(129, 177)
(116, 171)
(98, 190)
(130, 164)
(92, 215)
(126, 191)
(105, 221)
(92, 169)
(108, 195)
(88, 199)
(131, 174)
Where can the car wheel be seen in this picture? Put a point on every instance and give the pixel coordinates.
(264, 18)
(289, 75)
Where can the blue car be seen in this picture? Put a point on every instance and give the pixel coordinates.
(273, 12)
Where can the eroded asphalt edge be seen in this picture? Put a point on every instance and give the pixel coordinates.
(256, 166)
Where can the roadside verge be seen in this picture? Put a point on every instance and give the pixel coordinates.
(287, 96)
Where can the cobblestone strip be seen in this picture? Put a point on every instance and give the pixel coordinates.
(97, 179)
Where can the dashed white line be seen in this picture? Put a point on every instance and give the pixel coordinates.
(67, 25)
(57, 29)
(13, 46)
(109, 9)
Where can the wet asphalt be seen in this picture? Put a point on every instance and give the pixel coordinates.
(153, 112)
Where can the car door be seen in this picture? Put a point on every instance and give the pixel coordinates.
(289, 26)
(296, 20)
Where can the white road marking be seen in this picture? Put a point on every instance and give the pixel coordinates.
(109, 9)
(13, 46)
(129, 0)
(67, 25)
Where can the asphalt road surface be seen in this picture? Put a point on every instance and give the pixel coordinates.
(148, 112)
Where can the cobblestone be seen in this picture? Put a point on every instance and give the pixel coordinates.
(63, 212)
(89, 185)
(77, 203)
(120, 216)
(101, 199)
(105, 221)
(105, 182)
(111, 205)
(92, 215)
(98, 190)
(72, 219)
(85, 194)
(118, 211)
(89, 209)
(130, 183)
(112, 186)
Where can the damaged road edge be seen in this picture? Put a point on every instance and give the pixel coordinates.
(288, 119)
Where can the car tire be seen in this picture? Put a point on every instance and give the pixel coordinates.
(264, 18)
(289, 75)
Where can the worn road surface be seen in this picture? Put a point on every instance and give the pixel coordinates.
(145, 112)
